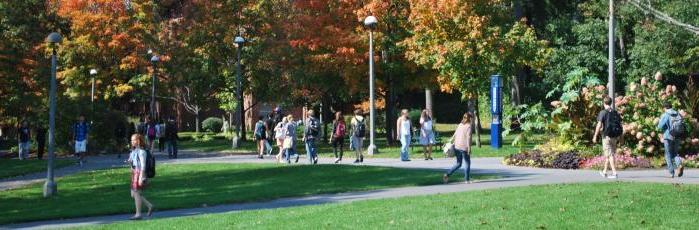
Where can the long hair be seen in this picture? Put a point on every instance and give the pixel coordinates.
(425, 115)
(141, 143)
(467, 118)
(338, 116)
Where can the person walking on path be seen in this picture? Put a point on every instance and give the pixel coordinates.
(150, 133)
(80, 134)
(24, 135)
(137, 159)
(462, 148)
(310, 134)
(269, 126)
(290, 139)
(608, 121)
(171, 138)
(160, 133)
(279, 134)
(40, 141)
(260, 136)
(403, 130)
(426, 134)
(337, 138)
(671, 121)
(358, 133)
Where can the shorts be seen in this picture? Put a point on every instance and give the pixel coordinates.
(609, 146)
(135, 174)
(80, 146)
(427, 138)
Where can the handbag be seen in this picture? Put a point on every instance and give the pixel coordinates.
(448, 149)
(287, 143)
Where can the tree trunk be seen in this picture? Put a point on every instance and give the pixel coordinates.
(478, 120)
(390, 105)
(428, 100)
(196, 118)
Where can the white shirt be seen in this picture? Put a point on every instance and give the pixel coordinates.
(138, 159)
(405, 127)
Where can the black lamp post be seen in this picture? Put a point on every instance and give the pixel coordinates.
(50, 187)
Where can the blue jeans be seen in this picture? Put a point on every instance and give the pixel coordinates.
(24, 150)
(460, 154)
(404, 144)
(172, 149)
(311, 150)
(671, 147)
(288, 152)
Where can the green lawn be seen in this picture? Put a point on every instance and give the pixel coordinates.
(194, 185)
(15, 167)
(612, 205)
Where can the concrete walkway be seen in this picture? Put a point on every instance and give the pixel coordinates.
(512, 176)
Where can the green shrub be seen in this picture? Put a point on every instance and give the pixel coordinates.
(212, 124)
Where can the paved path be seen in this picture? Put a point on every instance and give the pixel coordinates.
(512, 176)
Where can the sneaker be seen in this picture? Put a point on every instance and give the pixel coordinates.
(612, 176)
(297, 159)
(315, 160)
(467, 182)
(356, 161)
(680, 171)
(361, 159)
(406, 160)
(602, 174)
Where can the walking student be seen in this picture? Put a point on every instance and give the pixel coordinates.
(609, 122)
(137, 159)
(462, 148)
(151, 133)
(269, 126)
(358, 133)
(160, 134)
(40, 141)
(290, 139)
(403, 130)
(80, 134)
(671, 124)
(24, 136)
(171, 138)
(260, 136)
(426, 134)
(279, 134)
(310, 134)
(338, 136)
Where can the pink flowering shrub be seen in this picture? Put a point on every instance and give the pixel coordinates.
(623, 159)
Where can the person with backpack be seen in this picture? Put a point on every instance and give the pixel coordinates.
(138, 159)
(24, 136)
(673, 128)
(260, 137)
(150, 133)
(160, 134)
(337, 137)
(404, 128)
(289, 144)
(171, 138)
(279, 134)
(358, 133)
(426, 134)
(609, 122)
(462, 148)
(269, 126)
(80, 134)
(310, 134)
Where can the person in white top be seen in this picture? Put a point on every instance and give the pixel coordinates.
(426, 134)
(137, 159)
(279, 132)
(403, 130)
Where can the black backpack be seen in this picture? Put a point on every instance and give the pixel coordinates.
(612, 124)
(360, 128)
(150, 164)
(677, 129)
(260, 129)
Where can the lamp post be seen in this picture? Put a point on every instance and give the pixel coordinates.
(611, 53)
(50, 187)
(371, 22)
(154, 61)
(93, 72)
(239, 41)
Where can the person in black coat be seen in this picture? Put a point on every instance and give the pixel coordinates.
(40, 141)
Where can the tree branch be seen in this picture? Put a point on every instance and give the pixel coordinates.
(664, 17)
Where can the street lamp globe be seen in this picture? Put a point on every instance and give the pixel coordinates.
(54, 38)
(155, 59)
(239, 40)
(93, 71)
(370, 22)
(150, 51)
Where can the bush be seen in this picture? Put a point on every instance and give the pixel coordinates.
(568, 160)
(212, 124)
(531, 158)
